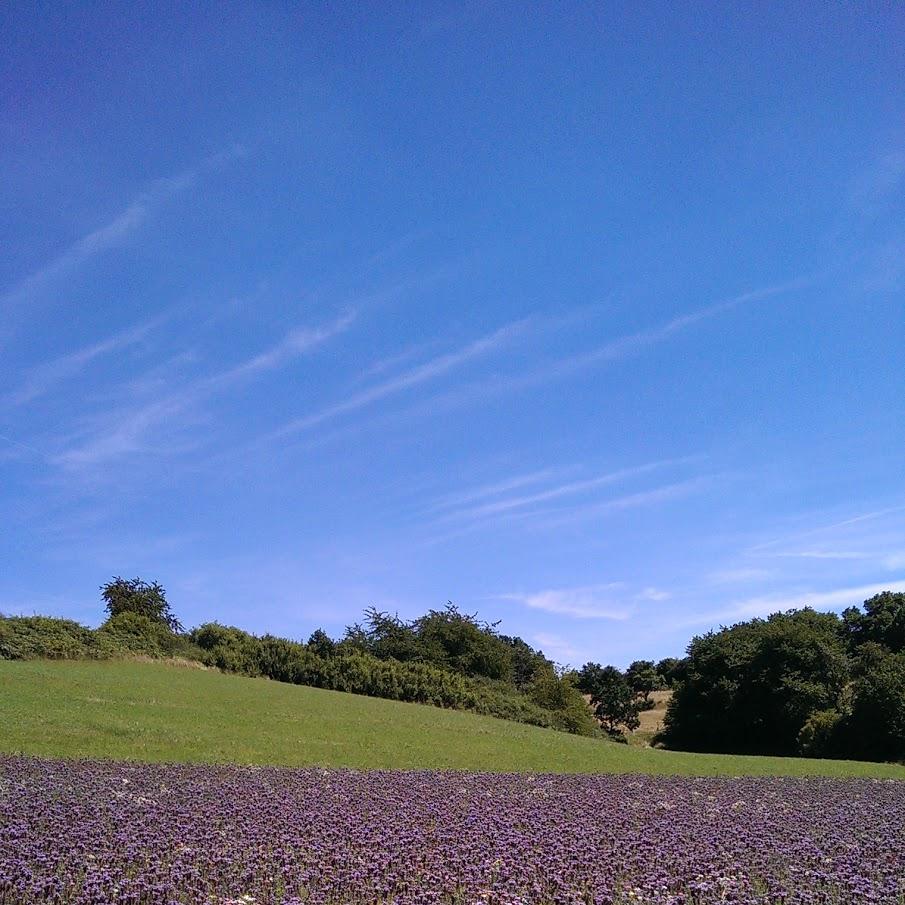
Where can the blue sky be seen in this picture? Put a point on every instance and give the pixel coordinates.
(588, 317)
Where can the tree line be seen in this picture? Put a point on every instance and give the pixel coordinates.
(797, 683)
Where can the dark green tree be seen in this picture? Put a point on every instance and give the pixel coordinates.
(454, 640)
(136, 596)
(670, 670)
(615, 704)
(525, 661)
(752, 687)
(321, 644)
(882, 622)
(643, 678)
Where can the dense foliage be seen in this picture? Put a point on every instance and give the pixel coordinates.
(99, 833)
(447, 639)
(797, 682)
(127, 633)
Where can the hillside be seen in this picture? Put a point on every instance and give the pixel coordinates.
(159, 712)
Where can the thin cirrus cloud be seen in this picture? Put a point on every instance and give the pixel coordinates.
(507, 504)
(128, 430)
(111, 234)
(538, 517)
(46, 376)
(870, 516)
(618, 349)
(585, 602)
(634, 343)
(431, 370)
(454, 500)
(565, 515)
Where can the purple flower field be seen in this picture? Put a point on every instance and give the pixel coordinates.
(99, 832)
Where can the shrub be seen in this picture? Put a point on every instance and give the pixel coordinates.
(819, 737)
(349, 668)
(132, 633)
(34, 637)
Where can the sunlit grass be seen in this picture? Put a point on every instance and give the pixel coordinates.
(158, 712)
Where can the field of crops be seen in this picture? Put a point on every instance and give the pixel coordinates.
(95, 832)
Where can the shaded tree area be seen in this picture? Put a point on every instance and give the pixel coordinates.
(800, 682)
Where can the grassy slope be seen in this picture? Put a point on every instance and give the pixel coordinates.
(156, 712)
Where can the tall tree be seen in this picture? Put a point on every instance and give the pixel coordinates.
(133, 595)
(615, 704)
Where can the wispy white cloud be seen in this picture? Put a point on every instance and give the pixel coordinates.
(822, 554)
(45, 376)
(114, 232)
(296, 342)
(431, 370)
(827, 528)
(504, 485)
(634, 343)
(618, 349)
(767, 604)
(585, 602)
(553, 518)
(556, 517)
(571, 488)
(128, 431)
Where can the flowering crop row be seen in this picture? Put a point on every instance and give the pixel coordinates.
(91, 833)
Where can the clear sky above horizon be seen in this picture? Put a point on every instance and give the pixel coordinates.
(587, 317)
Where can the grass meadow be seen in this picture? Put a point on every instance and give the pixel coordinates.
(157, 712)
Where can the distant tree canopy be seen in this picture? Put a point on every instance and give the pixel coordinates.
(670, 670)
(797, 682)
(448, 639)
(133, 595)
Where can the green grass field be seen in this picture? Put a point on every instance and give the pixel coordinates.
(159, 712)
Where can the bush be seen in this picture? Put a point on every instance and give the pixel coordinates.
(349, 668)
(34, 637)
(133, 633)
(819, 737)
(559, 695)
